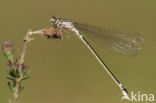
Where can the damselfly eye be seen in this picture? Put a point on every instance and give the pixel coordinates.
(53, 19)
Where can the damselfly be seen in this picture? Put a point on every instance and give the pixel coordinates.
(120, 42)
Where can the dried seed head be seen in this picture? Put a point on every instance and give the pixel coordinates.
(7, 46)
(24, 66)
(51, 32)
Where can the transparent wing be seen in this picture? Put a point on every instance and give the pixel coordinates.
(120, 42)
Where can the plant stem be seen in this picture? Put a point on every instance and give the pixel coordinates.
(16, 92)
(27, 39)
(21, 61)
(26, 42)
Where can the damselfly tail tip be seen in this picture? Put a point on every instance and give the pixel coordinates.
(125, 96)
(125, 90)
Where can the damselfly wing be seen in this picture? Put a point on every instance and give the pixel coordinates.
(119, 42)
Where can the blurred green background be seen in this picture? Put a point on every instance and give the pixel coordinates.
(65, 71)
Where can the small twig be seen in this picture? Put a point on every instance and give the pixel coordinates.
(26, 41)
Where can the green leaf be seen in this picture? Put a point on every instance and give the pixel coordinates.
(27, 72)
(13, 74)
(21, 75)
(11, 78)
(8, 70)
(21, 88)
(26, 77)
(9, 55)
(11, 87)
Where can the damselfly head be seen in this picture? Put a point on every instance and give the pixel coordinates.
(53, 19)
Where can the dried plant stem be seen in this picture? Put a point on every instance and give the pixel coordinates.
(26, 42)
(27, 39)
(15, 94)
(21, 61)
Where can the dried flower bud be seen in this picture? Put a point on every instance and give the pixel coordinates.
(7, 46)
(51, 32)
(24, 66)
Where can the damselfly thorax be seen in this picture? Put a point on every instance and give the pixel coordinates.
(64, 24)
